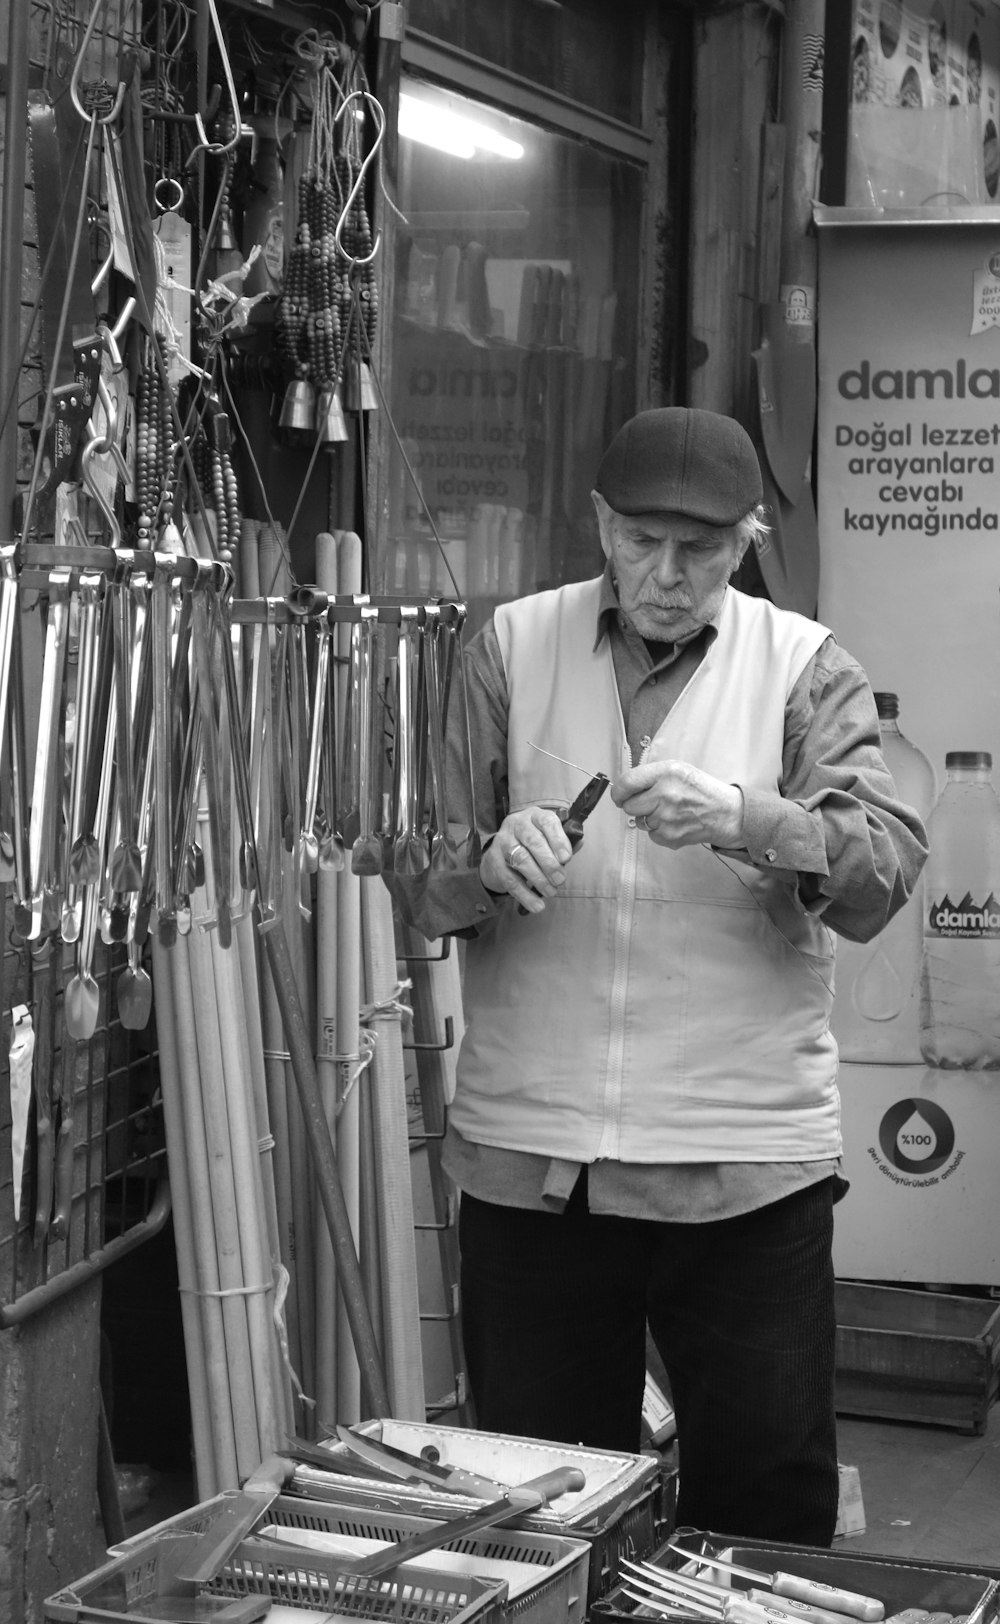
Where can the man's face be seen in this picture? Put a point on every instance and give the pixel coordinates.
(671, 571)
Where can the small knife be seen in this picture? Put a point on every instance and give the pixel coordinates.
(397, 1463)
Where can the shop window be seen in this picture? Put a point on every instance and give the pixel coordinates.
(514, 346)
(581, 52)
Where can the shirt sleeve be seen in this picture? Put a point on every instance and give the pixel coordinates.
(454, 901)
(838, 828)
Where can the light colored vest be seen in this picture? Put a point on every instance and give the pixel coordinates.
(667, 1006)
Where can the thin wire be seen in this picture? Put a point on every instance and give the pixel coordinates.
(407, 464)
(775, 927)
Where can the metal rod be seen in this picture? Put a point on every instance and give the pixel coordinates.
(89, 1268)
(327, 1173)
(11, 246)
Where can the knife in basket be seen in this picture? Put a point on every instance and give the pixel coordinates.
(392, 1462)
(516, 1502)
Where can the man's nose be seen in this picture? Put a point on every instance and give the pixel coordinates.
(667, 568)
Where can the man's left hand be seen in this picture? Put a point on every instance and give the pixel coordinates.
(679, 805)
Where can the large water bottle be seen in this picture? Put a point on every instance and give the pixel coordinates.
(960, 979)
(877, 1007)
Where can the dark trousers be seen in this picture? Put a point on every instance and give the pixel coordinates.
(741, 1310)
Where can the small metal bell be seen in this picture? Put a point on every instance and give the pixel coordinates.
(330, 417)
(361, 396)
(299, 405)
(225, 242)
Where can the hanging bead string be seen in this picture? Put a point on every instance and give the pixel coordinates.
(315, 308)
(153, 434)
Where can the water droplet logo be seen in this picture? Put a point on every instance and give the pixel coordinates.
(877, 994)
(916, 1136)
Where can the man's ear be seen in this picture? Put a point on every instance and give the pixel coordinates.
(604, 519)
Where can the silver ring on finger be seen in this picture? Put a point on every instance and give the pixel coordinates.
(642, 822)
(513, 854)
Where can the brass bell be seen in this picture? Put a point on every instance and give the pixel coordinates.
(225, 242)
(299, 405)
(330, 421)
(361, 396)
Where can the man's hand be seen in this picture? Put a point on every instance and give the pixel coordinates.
(526, 857)
(679, 805)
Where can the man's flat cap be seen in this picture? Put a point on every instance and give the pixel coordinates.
(677, 459)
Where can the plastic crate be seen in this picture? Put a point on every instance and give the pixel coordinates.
(938, 1587)
(930, 1357)
(617, 1512)
(142, 1584)
(545, 1574)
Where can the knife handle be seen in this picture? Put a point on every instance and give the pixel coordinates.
(539, 1491)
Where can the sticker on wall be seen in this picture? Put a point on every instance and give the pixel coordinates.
(917, 1141)
(986, 296)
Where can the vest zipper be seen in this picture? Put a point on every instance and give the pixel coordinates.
(610, 1143)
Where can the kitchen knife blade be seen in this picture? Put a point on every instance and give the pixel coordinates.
(397, 1463)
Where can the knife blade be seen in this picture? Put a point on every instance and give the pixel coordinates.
(519, 1501)
(397, 1463)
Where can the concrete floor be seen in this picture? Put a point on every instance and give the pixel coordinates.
(929, 1492)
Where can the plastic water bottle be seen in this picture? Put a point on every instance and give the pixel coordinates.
(876, 1010)
(960, 980)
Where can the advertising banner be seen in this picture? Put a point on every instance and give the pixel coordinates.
(908, 503)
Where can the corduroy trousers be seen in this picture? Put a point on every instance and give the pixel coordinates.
(555, 1310)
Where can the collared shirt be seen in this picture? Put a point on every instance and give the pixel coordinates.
(833, 831)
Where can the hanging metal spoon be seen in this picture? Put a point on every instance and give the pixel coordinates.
(82, 997)
(134, 992)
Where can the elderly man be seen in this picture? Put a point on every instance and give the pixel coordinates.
(646, 1124)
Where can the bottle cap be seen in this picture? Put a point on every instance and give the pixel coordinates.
(968, 759)
(887, 704)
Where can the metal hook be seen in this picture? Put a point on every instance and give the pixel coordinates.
(221, 147)
(74, 83)
(90, 449)
(376, 108)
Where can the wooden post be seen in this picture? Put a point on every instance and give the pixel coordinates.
(802, 114)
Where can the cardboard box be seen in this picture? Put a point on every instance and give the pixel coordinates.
(850, 1504)
(916, 1355)
(910, 1221)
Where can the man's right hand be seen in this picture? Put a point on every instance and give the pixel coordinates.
(526, 857)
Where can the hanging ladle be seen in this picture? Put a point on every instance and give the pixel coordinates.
(134, 991)
(82, 998)
(366, 853)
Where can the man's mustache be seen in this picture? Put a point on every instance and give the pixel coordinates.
(665, 603)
